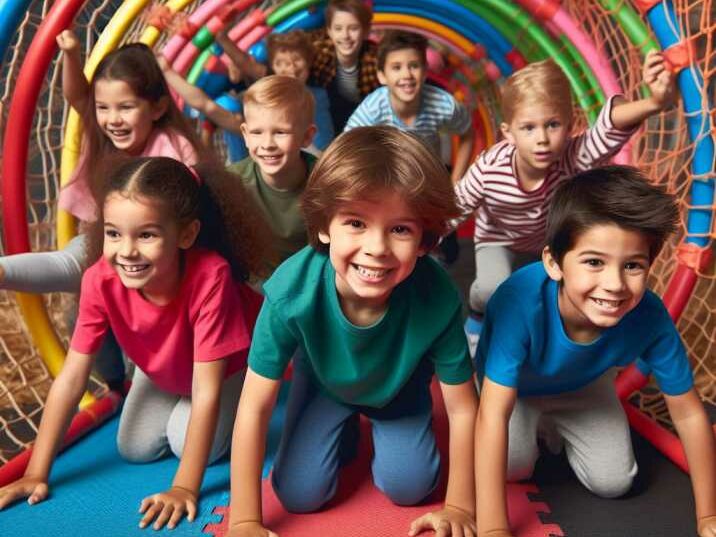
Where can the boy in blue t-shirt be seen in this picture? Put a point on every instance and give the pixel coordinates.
(555, 330)
(371, 317)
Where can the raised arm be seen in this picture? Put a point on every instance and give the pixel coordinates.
(697, 436)
(250, 69)
(258, 399)
(491, 448)
(169, 507)
(457, 516)
(61, 405)
(661, 83)
(196, 98)
(75, 87)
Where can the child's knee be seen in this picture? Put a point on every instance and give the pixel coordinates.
(610, 486)
(298, 496)
(409, 490)
(139, 452)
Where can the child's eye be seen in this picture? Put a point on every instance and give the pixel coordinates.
(354, 223)
(554, 124)
(145, 235)
(402, 230)
(111, 233)
(634, 266)
(527, 128)
(593, 262)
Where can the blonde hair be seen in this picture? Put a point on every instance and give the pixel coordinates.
(293, 41)
(362, 163)
(283, 93)
(537, 83)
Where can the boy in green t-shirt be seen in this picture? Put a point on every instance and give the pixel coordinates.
(278, 112)
(372, 318)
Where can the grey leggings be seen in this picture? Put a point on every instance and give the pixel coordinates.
(46, 272)
(595, 430)
(153, 421)
(493, 265)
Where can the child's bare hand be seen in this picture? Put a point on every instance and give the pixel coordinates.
(35, 490)
(168, 508)
(659, 79)
(707, 526)
(447, 521)
(67, 41)
(249, 529)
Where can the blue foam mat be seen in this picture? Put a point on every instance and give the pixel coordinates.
(94, 492)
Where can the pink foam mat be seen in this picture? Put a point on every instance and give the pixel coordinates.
(360, 509)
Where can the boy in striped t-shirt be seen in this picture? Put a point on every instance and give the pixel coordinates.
(509, 186)
(406, 102)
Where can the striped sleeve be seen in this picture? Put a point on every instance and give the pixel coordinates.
(597, 144)
(368, 112)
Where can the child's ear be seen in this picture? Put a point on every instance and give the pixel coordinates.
(324, 237)
(505, 128)
(160, 107)
(308, 135)
(381, 77)
(188, 234)
(551, 265)
(244, 129)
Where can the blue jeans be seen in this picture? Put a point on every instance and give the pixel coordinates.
(406, 462)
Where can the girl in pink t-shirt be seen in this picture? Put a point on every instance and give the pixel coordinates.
(126, 109)
(178, 245)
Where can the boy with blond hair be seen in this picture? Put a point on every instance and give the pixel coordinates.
(372, 318)
(289, 54)
(406, 102)
(509, 186)
(278, 124)
(554, 334)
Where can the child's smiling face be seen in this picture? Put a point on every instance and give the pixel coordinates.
(602, 278)
(373, 246)
(142, 244)
(125, 118)
(404, 73)
(346, 33)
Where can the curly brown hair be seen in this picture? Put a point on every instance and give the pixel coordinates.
(231, 224)
(365, 161)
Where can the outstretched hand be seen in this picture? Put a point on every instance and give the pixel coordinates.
(447, 521)
(659, 79)
(164, 64)
(67, 41)
(249, 528)
(35, 490)
(168, 508)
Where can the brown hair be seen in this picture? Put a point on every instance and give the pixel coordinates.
(398, 40)
(285, 93)
(537, 83)
(357, 8)
(362, 162)
(619, 195)
(293, 41)
(230, 222)
(135, 65)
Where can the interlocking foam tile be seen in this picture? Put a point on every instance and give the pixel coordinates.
(360, 509)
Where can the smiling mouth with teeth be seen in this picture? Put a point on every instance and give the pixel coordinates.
(608, 303)
(370, 273)
(133, 268)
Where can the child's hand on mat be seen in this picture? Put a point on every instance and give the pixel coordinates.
(32, 488)
(168, 508)
(707, 526)
(249, 528)
(448, 521)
